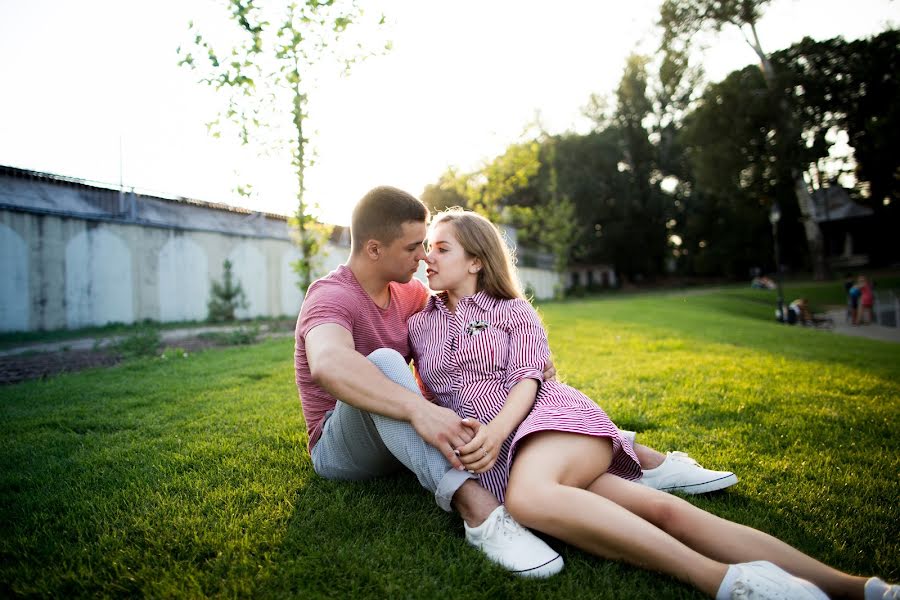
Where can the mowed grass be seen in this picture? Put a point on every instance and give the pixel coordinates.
(190, 477)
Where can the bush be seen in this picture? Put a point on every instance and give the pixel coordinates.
(226, 297)
(143, 342)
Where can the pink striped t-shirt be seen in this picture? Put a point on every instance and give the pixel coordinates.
(471, 358)
(339, 298)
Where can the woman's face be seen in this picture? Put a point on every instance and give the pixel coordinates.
(449, 267)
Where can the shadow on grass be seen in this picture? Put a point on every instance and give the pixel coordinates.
(386, 538)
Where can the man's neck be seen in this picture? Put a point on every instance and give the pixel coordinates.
(376, 286)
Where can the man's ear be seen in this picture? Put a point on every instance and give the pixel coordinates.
(373, 249)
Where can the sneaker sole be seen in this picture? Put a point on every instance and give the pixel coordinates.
(705, 487)
(548, 569)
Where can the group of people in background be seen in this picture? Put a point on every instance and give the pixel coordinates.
(860, 300)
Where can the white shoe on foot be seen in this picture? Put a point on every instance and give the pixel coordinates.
(514, 547)
(681, 473)
(877, 589)
(762, 580)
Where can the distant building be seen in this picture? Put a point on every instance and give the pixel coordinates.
(846, 225)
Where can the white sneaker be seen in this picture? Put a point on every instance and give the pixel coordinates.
(513, 547)
(877, 589)
(763, 580)
(681, 473)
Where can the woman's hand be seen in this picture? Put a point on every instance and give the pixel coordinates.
(480, 454)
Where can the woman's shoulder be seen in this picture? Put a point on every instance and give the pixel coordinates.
(516, 306)
(428, 313)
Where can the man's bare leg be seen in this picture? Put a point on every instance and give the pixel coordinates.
(648, 457)
(474, 503)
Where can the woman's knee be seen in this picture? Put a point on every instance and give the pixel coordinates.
(671, 514)
(529, 504)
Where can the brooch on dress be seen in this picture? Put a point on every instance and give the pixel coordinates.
(476, 327)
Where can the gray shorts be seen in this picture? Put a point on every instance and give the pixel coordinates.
(357, 445)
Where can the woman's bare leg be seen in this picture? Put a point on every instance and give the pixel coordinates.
(721, 539)
(547, 492)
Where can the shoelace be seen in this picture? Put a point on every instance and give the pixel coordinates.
(739, 591)
(683, 457)
(510, 527)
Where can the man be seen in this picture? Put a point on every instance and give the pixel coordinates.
(365, 415)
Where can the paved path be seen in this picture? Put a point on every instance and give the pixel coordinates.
(95, 343)
(873, 331)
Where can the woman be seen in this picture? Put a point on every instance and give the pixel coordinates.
(555, 458)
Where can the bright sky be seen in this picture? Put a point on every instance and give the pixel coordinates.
(463, 81)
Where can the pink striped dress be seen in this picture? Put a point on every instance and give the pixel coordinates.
(470, 360)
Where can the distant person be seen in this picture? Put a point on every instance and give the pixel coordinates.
(556, 458)
(799, 312)
(853, 302)
(762, 283)
(866, 301)
(852, 298)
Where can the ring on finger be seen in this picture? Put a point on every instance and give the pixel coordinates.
(484, 452)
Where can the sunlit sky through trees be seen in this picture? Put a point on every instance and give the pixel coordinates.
(82, 80)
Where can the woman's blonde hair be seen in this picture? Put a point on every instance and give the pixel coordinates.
(482, 240)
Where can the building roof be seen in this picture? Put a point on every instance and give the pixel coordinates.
(46, 193)
(834, 204)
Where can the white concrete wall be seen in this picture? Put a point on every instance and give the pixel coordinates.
(99, 287)
(183, 280)
(545, 283)
(62, 272)
(14, 306)
(249, 268)
(291, 297)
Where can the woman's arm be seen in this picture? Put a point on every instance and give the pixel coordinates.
(526, 357)
(480, 454)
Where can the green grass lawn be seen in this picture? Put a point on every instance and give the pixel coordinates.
(190, 478)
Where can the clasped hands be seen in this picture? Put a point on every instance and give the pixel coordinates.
(481, 452)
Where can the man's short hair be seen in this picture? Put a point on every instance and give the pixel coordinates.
(380, 215)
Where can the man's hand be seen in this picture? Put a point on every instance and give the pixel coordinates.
(549, 370)
(480, 454)
(443, 429)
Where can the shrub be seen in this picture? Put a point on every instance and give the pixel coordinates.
(226, 297)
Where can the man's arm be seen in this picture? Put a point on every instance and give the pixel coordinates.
(337, 367)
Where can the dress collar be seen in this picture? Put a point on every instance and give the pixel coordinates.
(481, 299)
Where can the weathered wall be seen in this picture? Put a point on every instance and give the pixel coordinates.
(66, 272)
(62, 272)
(76, 255)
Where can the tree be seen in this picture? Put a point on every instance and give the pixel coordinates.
(682, 20)
(448, 192)
(267, 75)
(840, 88)
(226, 297)
(832, 86)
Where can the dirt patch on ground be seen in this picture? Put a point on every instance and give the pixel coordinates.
(23, 367)
(14, 369)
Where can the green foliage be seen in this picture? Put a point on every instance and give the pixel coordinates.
(267, 78)
(226, 297)
(241, 336)
(144, 341)
(449, 191)
(190, 478)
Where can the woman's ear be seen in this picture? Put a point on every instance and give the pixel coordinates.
(475, 266)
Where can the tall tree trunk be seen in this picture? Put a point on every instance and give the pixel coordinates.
(814, 238)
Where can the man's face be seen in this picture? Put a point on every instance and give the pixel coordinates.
(400, 259)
